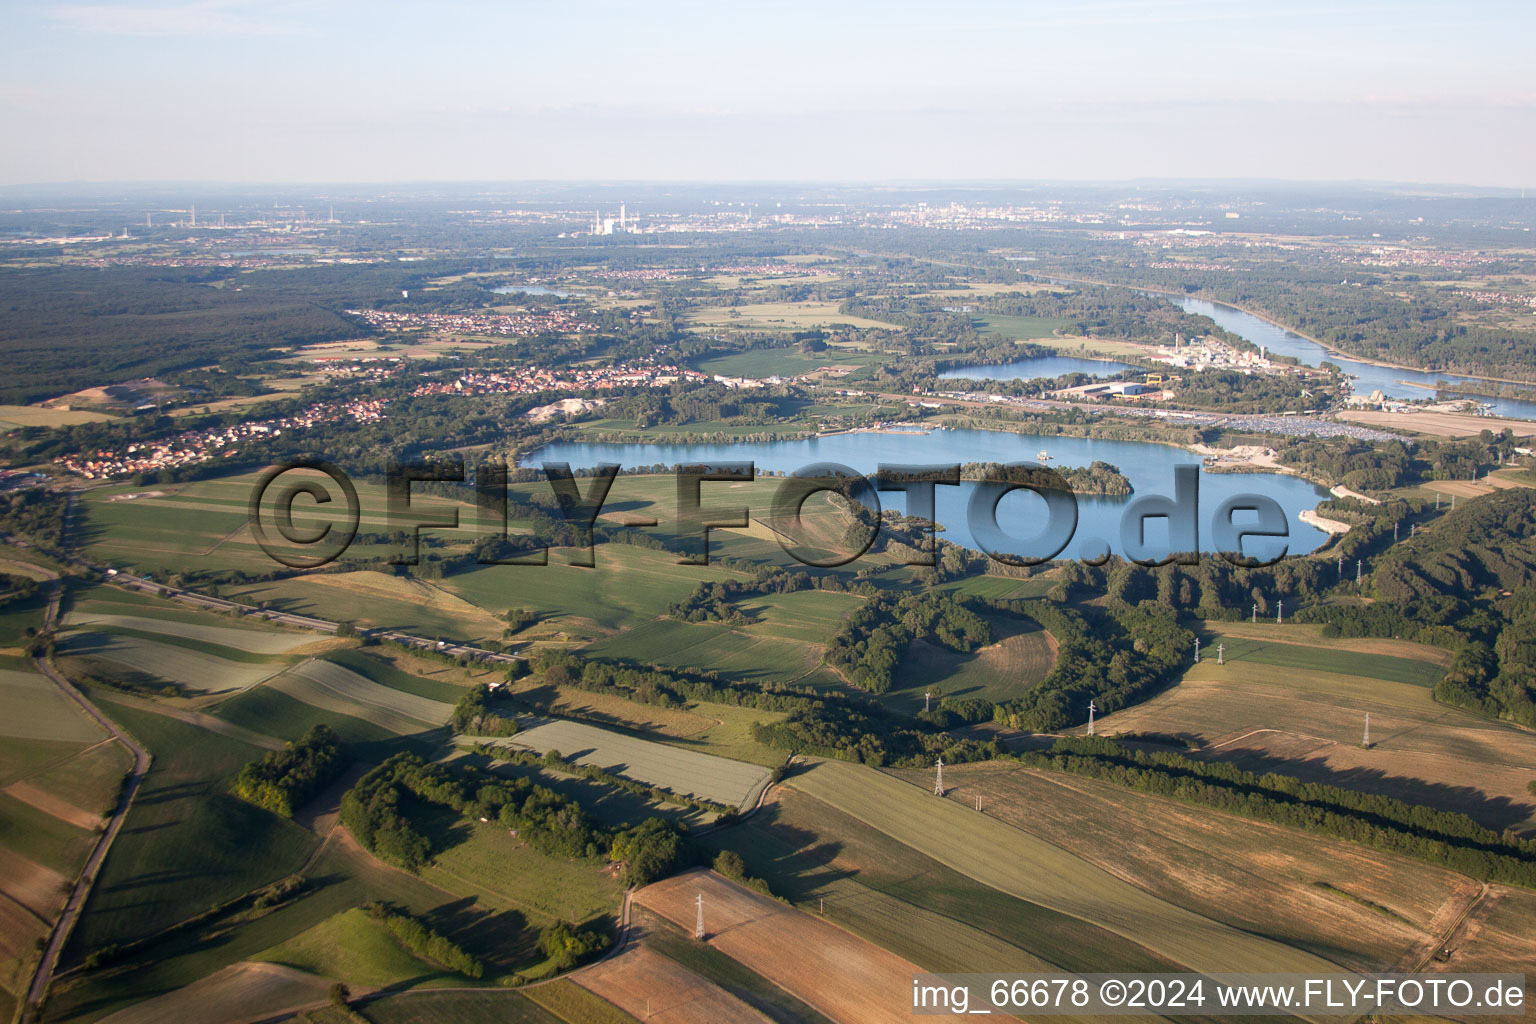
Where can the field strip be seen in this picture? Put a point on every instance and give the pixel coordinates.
(48, 803)
(199, 719)
(195, 670)
(36, 888)
(31, 570)
(251, 641)
(1022, 865)
(347, 692)
(238, 993)
(651, 987)
(680, 770)
(832, 971)
(34, 709)
(1309, 685)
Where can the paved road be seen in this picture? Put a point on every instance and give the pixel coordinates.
(82, 889)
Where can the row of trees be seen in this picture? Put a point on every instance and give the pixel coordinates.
(1440, 837)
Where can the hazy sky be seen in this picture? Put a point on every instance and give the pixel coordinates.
(337, 90)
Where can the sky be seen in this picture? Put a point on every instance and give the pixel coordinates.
(356, 91)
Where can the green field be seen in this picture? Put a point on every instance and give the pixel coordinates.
(374, 668)
(736, 655)
(780, 362)
(365, 599)
(1038, 872)
(197, 672)
(1247, 650)
(628, 585)
(273, 713)
(680, 770)
(188, 627)
(1019, 328)
(33, 708)
(187, 844)
(42, 837)
(20, 615)
(461, 1008)
(202, 525)
(523, 885)
(90, 779)
(829, 863)
(342, 877)
(1019, 656)
(355, 948)
(575, 1005)
(338, 689)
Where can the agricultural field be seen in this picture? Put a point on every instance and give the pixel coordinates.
(79, 789)
(13, 417)
(196, 673)
(1019, 656)
(833, 971)
(267, 712)
(517, 885)
(187, 844)
(335, 688)
(684, 771)
(631, 585)
(357, 949)
(229, 996)
(202, 525)
(758, 363)
(1299, 708)
(368, 598)
(831, 864)
(607, 709)
(1020, 328)
(574, 1004)
(660, 936)
(781, 316)
(32, 708)
(651, 987)
(480, 1007)
(1037, 871)
(1498, 935)
(58, 773)
(178, 958)
(736, 654)
(188, 626)
(1359, 908)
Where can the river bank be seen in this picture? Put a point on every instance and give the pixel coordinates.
(1275, 322)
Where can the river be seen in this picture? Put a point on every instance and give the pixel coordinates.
(1389, 380)
(1150, 468)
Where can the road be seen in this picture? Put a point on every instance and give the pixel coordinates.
(82, 888)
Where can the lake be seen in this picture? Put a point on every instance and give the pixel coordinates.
(1040, 366)
(529, 289)
(1149, 467)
